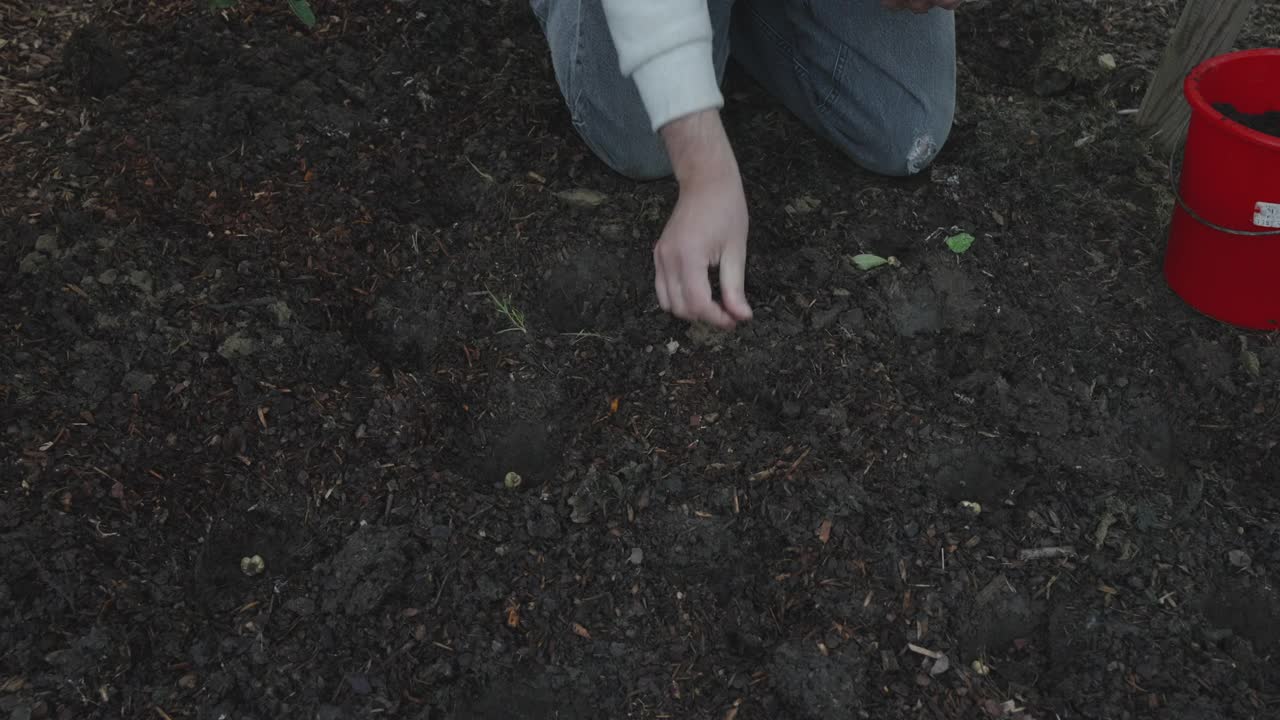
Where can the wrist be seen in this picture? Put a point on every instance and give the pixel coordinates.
(699, 148)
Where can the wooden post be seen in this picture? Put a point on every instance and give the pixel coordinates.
(1206, 28)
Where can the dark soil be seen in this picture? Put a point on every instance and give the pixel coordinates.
(1267, 122)
(250, 278)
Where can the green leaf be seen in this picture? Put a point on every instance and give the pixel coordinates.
(867, 262)
(221, 4)
(960, 243)
(302, 8)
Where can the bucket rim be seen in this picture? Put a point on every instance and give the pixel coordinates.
(1191, 89)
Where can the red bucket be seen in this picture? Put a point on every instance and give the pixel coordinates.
(1223, 256)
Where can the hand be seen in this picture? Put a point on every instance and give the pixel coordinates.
(708, 227)
(921, 6)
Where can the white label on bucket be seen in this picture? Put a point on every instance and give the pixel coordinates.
(1267, 215)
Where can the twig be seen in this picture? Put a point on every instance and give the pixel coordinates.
(792, 470)
(1046, 553)
(48, 579)
(482, 173)
(443, 581)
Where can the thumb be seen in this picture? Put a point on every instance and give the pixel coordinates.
(733, 268)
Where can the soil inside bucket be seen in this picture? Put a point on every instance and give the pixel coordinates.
(1267, 122)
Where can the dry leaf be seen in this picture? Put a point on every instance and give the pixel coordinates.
(513, 616)
(824, 531)
(613, 406)
(802, 205)
(733, 711)
(1251, 364)
(580, 631)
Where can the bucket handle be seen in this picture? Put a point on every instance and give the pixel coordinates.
(1174, 176)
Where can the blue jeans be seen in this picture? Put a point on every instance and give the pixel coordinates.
(879, 84)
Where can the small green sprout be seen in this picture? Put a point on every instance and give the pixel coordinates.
(507, 310)
(867, 261)
(960, 243)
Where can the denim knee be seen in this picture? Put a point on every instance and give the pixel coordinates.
(611, 121)
(640, 165)
(635, 153)
(906, 148)
(605, 107)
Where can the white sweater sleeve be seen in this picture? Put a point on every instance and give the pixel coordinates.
(665, 47)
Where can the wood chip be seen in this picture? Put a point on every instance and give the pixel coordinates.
(1046, 553)
(580, 631)
(824, 531)
(582, 197)
(923, 651)
(940, 666)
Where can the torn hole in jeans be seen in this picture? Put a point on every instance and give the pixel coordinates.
(921, 153)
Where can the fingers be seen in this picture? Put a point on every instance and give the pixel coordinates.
(698, 303)
(733, 268)
(660, 282)
(684, 290)
(675, 290)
